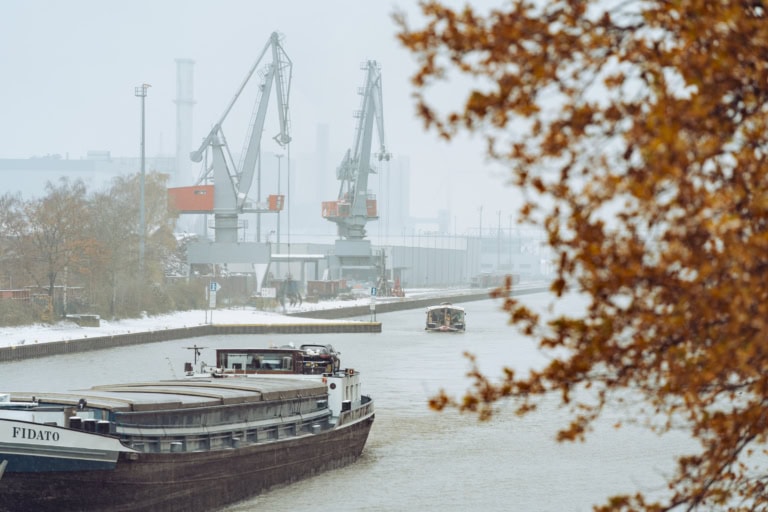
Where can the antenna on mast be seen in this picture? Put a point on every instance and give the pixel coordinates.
(196, 349)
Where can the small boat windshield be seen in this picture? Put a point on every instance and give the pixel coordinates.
(445, 317)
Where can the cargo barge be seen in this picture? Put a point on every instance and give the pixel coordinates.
(221, 434)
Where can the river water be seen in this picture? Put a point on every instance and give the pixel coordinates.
(417, 459)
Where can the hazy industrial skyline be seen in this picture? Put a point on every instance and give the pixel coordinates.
(70, 69)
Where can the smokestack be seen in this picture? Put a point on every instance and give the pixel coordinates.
(185, 176)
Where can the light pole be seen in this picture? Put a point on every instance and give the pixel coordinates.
(279, 157)
(141, 92)
(258, 198)
(480, 228)
(480, 240)
(258, 194)
(288, 204)
(510, 241)
(498, 243)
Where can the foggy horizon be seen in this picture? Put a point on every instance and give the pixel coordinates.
(72, 68)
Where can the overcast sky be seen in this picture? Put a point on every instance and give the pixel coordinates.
(69, 69)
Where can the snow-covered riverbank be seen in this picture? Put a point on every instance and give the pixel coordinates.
(68, 330)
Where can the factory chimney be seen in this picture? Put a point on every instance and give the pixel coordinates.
(185, 176)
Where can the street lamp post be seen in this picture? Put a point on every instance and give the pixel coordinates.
(510, 242)
(288, 205)
(141, 92)
(279, 158)
(480, 240)
(480, 227)
(498, 243)
(258, 199)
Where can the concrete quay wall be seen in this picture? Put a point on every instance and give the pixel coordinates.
(21, 352)
(406, 303)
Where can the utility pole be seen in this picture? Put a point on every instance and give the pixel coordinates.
(510, 241)
(480, 230)
(141, 92)
(498, 244)
(288, 204)
(480, 241)
(279, 157)
(258, 198)
(258, 193)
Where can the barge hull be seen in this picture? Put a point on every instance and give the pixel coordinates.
(186, 482)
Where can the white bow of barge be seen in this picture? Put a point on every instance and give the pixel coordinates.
(193, 444)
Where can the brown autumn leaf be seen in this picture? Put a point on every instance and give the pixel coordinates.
(648, 137)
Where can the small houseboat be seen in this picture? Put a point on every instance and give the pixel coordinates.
(445, 317)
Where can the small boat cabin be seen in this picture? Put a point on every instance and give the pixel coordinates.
(445, 317)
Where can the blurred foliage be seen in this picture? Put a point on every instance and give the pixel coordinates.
(17, 312)
(638, 135)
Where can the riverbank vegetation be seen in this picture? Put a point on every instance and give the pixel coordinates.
(78, 251)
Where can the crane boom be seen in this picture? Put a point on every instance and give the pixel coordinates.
(275, 74)
(354, 206)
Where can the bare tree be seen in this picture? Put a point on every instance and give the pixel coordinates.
(55, 240)
(115, 213)
(11, 228)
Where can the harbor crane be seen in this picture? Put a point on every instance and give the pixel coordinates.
(355, 205)
(228, 198)
(231, 182)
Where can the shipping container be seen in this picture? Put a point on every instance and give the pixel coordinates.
(197, 199)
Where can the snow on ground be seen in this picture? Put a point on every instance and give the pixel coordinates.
(68, 330)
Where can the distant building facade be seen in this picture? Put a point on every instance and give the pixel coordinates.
(29, 177)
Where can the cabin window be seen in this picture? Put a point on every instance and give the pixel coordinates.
(445, 317)
(235, 361)
(271, 361)
(276, 361)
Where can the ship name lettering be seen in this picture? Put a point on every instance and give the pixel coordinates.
(35, 434)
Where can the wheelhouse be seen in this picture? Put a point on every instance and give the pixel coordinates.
(306, 360)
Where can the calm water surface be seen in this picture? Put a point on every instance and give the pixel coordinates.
(417, 459)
